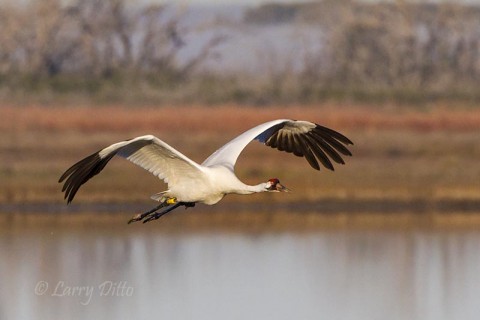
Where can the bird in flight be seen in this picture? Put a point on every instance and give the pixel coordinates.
(190, 183)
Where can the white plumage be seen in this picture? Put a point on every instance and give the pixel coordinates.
(190, 182)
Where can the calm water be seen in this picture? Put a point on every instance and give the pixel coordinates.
(144, 273)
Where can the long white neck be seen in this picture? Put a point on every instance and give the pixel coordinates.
(226, 182)
(261, 187)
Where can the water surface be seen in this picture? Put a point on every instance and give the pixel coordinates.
(144, 273)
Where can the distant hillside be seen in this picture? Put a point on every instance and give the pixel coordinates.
(274, 13)
(316, 12)
(273, 52)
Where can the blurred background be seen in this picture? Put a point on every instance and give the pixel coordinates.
(392, 234)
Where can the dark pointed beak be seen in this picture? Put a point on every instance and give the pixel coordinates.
(282, 188)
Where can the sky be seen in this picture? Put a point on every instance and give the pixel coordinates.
(184, 2)
(258, 2)
(244, 2)
(224, 2)
(220, 2)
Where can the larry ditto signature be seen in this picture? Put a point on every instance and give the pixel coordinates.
(86, 293)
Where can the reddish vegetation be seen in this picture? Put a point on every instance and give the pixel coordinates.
(227, 118)
(398, 153)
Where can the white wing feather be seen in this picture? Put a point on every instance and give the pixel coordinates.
(157, 157)
(148, 152)
(228, 154)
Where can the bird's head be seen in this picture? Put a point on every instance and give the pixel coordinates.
(274, 185)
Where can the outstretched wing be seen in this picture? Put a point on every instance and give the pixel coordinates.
(304, 139)
(148, 152)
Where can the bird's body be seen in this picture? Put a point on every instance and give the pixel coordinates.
(217, 181)
(190, 182)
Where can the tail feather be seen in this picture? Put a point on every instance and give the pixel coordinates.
(159, 196)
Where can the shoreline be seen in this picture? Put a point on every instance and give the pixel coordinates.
(381, 214)
(323, 206)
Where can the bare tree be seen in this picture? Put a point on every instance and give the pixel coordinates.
(95, 38)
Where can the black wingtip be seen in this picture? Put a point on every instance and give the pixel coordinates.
(318, 144)
(81, 172)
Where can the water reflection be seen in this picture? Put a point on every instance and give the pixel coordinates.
(343, 274)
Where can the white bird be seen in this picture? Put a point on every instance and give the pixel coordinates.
(190, 182)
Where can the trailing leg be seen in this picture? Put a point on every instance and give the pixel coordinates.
(157, 215)
(165, 203)
(160, 214)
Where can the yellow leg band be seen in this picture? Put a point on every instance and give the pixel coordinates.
(171, 200)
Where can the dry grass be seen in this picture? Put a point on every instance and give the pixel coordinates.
(229, 118)
(251, 222)
(403, 154)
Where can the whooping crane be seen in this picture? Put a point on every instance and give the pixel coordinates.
(190, 182)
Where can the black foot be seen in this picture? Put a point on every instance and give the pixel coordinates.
(140, 216)
(154, 215)
(157, 215)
